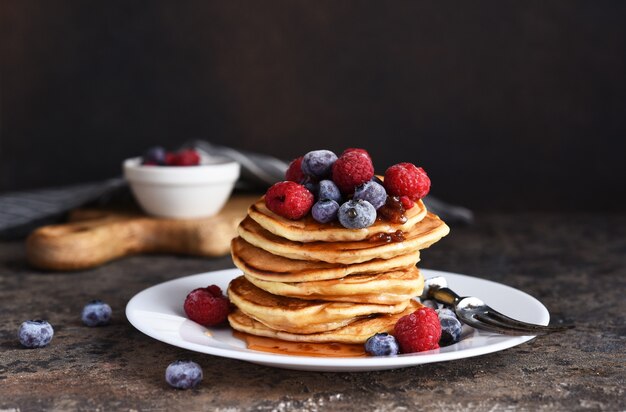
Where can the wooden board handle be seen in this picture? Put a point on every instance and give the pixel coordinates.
(98, 237)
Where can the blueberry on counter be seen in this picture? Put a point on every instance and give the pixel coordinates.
(96, 313)
(35, 333)
(183, 374)
(382, 344)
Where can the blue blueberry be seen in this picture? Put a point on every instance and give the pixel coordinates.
(96, 313)
(450, 330)
(329, 190)
(325, 211)
(357, 214)
(318, 163)
(35, 333)
(155, 155)
(382, 344)
(312, 185)
(430, 303)
(372, 192)
(445, 312)
(183, 374)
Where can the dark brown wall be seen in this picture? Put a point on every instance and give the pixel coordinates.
(506, 104)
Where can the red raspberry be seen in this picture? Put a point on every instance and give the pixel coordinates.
(418, 331)
(207, 306)
(170, 159)
(406, 179)
(351, 170)
(294, 171)
(289, 199)
(356, 150)
(187, 157)
(406, 202)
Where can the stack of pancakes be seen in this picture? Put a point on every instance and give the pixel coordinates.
(309, 282)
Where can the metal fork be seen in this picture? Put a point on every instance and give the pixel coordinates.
(477, 314)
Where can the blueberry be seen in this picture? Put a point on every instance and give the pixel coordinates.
(329, 190)
(382, 344)
(311, 185)
(35, 333)
(430, 303)
(155, 155)
(325, 211)
(446, 312)
(357, 214)
(372, 192)
(450, 330)
(318, 163)
(96, 313)
(183, 374)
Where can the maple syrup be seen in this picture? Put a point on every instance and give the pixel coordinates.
(283, 347)
(392, 210)
(397, 236)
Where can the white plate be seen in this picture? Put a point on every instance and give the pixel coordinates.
(158, 312)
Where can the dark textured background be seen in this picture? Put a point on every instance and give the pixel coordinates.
(508, 105)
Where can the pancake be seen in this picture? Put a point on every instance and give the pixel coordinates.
(383, 288)
(297, 315)
(428, 231)
(356, 332)
(263, 265)
(308, 230)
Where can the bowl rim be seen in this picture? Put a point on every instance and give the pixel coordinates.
(220, 170)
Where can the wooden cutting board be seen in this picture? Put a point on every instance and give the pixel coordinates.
(93, 237)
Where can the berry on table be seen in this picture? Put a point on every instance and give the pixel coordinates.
(289, 200)
(406, 179)
(183, 374)
(357, 214)
(96, 313)
(318, 163)
(382, 344)
(207, 306)
(351, 170)
(294, 172)
(329, 190)
(325, 211)
(35, 333)
(372, 192)
(419, 331)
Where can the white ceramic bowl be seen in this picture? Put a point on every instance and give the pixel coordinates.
(182, 192)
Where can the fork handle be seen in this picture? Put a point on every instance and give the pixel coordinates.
(443, 295)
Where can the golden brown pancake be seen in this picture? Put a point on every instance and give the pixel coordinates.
(383, 288)
(308, 230)
(263, 265)
(356, 332)
(420, 236)
(297, 315)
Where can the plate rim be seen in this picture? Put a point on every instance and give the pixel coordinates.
(339, 364)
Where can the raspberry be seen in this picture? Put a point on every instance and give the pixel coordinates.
(418, 331)
(289, 199)
(406, 179)
(352, 169)
(186, 158)
(294, 171)
(207, 306)
(356, 150)
(406, 202)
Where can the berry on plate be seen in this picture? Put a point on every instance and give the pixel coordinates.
(450, 330)
(406, 179)
(318, 163)
(289, 200)
(419, 331)
(183, 374)
(35, 333)
(207, 306)
(96, 313)
(357, 214)
(382, 344)
(351, 170)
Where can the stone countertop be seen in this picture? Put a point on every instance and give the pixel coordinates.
(574, 264)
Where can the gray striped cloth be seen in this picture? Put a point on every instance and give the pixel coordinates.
(21, 212)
